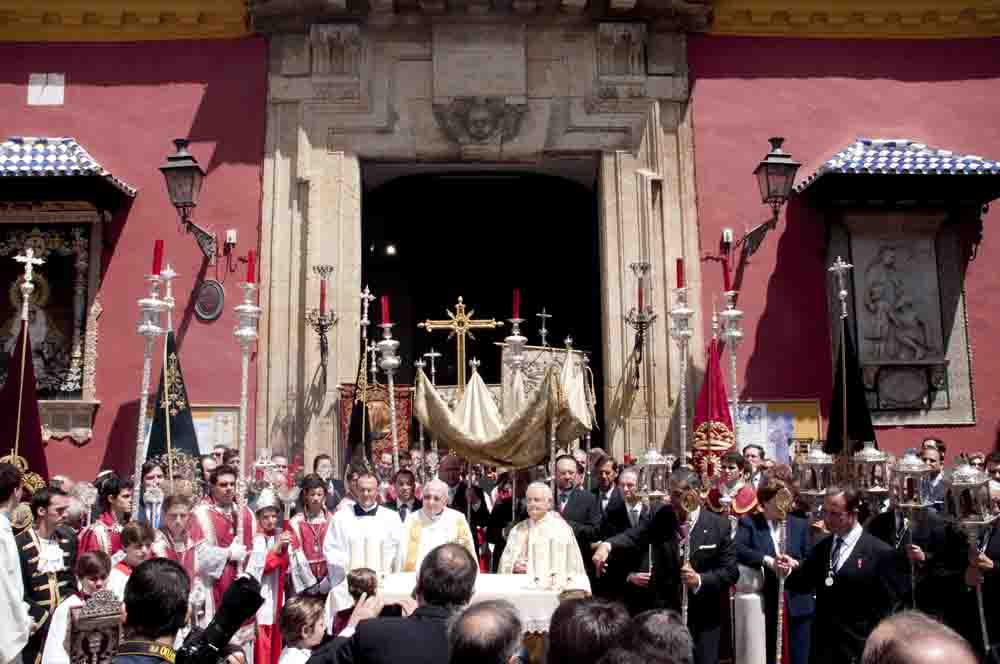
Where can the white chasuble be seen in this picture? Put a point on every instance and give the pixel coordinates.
(422, 533)
(551, 551)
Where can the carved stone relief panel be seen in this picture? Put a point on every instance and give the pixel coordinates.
(338, 61)
(621, 60)
(468, 120)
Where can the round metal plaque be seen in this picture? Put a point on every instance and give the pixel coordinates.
(209, 300)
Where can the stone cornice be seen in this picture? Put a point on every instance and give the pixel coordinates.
(121, 20)
(875, 19)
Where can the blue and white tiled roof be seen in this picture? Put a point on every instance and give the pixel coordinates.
(879, 156)
(26, 156)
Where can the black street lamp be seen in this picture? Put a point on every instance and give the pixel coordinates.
(184, 178)
(775, 177)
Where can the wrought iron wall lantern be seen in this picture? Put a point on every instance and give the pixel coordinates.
(184, 178)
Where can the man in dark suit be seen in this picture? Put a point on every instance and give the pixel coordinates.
(756, 546)
(323, 466)
(627, 576)
(848, 573)
(406, 502)
(936, 486)
(983, 570)
(578, 507)
(444, 585)
(470, 501)
(151, 512)
(712, 570)
(607, 492)
(933, 549)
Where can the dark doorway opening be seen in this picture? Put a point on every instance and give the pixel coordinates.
(430, 238)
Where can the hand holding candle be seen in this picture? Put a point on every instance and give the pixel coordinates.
(157, 257)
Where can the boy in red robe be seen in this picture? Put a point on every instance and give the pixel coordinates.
(269, 564)
(308, 530)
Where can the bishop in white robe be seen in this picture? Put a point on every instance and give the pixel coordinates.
(433, 525)
(543, 546)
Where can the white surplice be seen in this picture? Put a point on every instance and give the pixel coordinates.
(359, 541)
(13, 609)
(54, 651)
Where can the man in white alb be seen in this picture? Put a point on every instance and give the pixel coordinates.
(362, 535)
(432, 525)
(544, 543)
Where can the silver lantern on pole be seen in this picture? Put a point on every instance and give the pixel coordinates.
(869, 470)
(815, 475)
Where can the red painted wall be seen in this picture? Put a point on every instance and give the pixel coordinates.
(125, 103)
(821, 95)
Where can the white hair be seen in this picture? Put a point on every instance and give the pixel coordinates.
(436, 484)
(541, 485)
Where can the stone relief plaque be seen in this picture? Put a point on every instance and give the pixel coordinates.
(897, 299)
(479, 61)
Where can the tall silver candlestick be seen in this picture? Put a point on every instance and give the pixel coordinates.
(681, 333)
(731, 332)
(246, 335)
(150, 327)
(373, 363)
(390, 363)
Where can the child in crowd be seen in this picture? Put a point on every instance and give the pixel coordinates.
(137, 545)
(361, 581)
(92, 569)
(301, 625)
(269, 564)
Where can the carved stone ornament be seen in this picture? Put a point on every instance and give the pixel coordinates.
(472, 120)
(337, 50)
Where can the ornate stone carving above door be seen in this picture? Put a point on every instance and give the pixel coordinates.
(480, 119)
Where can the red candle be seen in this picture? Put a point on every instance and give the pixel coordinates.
(157, 256)
(727, 282)
(385, 309)
(322, 296)
(251, 271)
(641, 296)
(517, 303)
(680, 273)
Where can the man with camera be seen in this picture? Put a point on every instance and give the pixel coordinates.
(156, 606)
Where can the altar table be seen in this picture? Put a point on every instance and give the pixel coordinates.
(534, 605)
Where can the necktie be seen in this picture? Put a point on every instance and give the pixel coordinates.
(835, 553)
(633, 515)
(403, 510)
(360, 511)
(563, 499)
(900, 530)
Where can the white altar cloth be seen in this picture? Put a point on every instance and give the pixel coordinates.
(535, 606)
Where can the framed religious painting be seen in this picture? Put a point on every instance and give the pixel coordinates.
(779, 426)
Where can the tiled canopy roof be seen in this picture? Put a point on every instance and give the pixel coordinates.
(25, 156)
(876, 156)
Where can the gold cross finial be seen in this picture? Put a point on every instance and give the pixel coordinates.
(460, 324)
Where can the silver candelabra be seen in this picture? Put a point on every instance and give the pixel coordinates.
(641, 318)
(321, 320)
(246, 335)
(681, 333)
(390, 364)
(150, 327)
(731, 332)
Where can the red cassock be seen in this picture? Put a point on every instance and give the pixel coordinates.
(308, 538)
(102, 535)
(180, 551)
(267, 646)
(218, 529)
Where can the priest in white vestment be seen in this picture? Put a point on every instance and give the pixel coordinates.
(432, 525)
(543, 546)
(362, 535)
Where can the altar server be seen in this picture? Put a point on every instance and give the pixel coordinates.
(307, 564)
(364, 535)
(432, 525)
(13, 609)
(115, 498)
(544, 544)
(137, 543)
(92, 573)
(268, 564)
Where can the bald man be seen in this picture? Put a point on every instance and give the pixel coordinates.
(432, 525)
(916, 638)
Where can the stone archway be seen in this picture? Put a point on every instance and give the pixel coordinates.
(485, 90)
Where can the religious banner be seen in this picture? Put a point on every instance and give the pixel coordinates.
(21, 427)
(173, 426)
(377, 399)
(57, 311)
(712, 423)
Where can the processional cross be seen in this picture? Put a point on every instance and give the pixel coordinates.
(29, 261)
(460, 324)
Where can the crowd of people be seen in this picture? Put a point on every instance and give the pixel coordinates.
(650, 582)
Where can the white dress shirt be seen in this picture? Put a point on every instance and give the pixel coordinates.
(850, 541)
